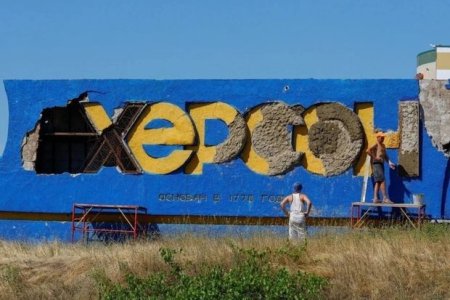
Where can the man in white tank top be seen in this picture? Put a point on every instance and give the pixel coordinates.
(298, 213)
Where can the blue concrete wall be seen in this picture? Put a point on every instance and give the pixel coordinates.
(26, 191)
(3, 118)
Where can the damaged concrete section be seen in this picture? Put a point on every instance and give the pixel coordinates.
(110, 148)
(233, 145)
(272, 140)
(30, 145)
(408, 157)
(339, 112)
(323, 138)
(59, 142)
(337, 138)
(435, 101)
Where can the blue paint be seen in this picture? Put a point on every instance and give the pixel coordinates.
(216, 131)
(158, 151)
(158, 123)
(25, 191)
(3, 118)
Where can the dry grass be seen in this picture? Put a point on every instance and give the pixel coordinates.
(371, 264)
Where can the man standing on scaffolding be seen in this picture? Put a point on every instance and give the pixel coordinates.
(378, 156)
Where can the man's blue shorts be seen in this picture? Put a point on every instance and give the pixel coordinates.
(378, 172)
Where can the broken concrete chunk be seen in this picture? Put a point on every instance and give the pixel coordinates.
(408, 156)
(233, 145)
(272, 140)
(337, 138)
(435, 101)
(29, 148)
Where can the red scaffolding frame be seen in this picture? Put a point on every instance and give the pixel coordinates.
(84, 215)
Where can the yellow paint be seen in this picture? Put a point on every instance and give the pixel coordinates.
(392, 140)
(199, 113)
(253, 161)
(97, 115)
(365, 113)
(182, 133)
(310, 161)
(443, 61)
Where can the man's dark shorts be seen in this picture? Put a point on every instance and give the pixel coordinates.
(378, 172)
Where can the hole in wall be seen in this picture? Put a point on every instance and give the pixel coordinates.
(65, 138)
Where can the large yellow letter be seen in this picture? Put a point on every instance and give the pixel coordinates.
(182, 133)
(226, 150)
(255, 162)
(97, 115)
(335, 138)
(270, 150)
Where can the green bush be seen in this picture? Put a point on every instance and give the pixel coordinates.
(252, 277)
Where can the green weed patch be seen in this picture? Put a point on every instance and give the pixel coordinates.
(251, 277)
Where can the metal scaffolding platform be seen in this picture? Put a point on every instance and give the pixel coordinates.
(358, 219)
(123, 220)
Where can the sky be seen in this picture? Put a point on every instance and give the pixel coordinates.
(187, 39)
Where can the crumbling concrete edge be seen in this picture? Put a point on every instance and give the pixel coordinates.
(233, 145)
(337, 138)
(409, 152)
(30, 144)
(272, 140)
(435, 103)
